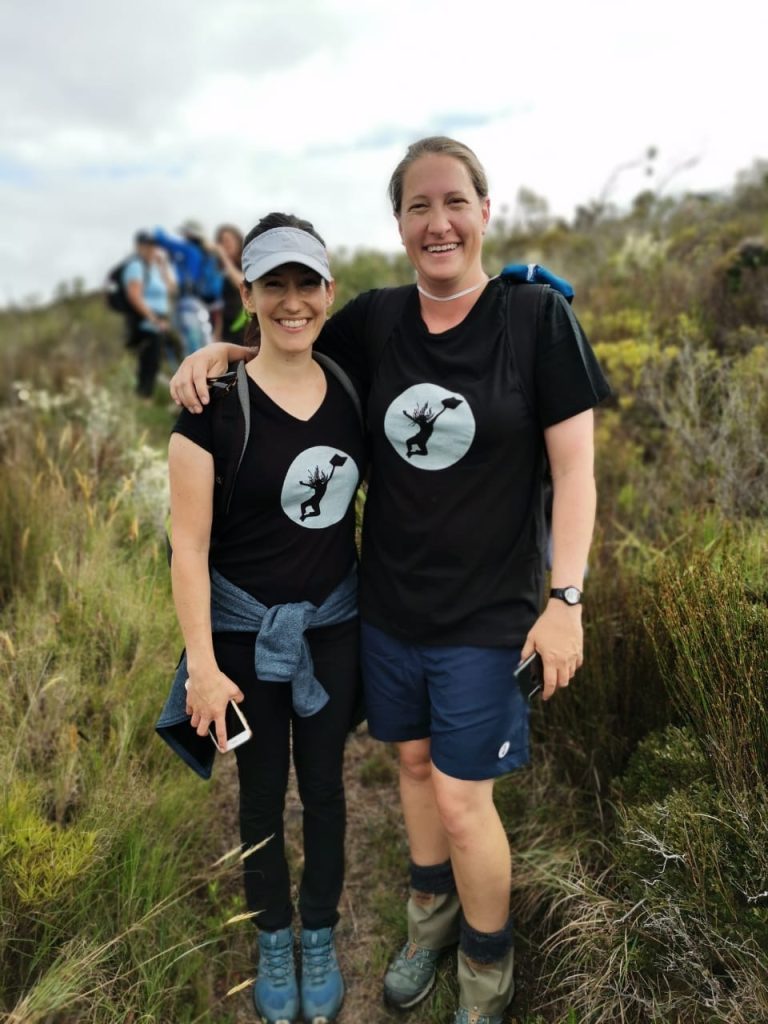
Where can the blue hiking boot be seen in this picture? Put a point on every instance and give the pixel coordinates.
(322, 987)
(410, 976)
(275, 992)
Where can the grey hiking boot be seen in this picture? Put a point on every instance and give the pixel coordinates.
(410, 976)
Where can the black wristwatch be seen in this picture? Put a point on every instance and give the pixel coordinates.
(571, 595)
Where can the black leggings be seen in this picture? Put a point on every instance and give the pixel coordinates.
(318, 755)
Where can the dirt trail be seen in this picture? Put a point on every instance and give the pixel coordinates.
(372, 907)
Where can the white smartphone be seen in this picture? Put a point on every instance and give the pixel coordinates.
(238, 730)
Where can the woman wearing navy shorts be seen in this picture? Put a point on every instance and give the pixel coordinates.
(471, 395)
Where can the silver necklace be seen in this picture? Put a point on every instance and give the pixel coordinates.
(448, 298)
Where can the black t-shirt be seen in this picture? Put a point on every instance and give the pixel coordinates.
(454, 533)
(289, 533)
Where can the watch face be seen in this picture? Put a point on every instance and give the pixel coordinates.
(572, 595)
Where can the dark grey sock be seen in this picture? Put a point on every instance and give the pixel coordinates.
(485, 947)
(434, 878)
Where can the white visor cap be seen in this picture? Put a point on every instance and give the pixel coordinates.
(278, 246)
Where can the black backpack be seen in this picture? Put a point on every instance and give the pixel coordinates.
(115, 294)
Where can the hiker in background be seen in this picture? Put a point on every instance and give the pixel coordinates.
(276, 573)
(227, 247)
(200, 283)
(501, 382)
(148, 284)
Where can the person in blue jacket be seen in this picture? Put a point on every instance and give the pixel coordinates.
(200, 283)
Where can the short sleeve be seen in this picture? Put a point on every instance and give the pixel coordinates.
(196, 427)
(133, 271)
(568, 377)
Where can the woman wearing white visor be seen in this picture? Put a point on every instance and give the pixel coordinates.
(265, 590)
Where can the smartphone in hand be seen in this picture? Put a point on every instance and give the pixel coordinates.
(238, 730)
(528, 675)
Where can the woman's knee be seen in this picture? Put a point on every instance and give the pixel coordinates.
(320, 790)
(463, 806)
(415, 760)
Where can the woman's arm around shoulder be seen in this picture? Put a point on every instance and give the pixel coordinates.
(189, 385)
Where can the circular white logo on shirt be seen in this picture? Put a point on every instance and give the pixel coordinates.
(504, 749)
(319, 486)
(429, 427)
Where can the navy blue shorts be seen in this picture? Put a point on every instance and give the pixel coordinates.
(464, 699)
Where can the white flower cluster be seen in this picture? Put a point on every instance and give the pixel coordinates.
(640, 251)
(149, 483)
(38, 399)
(105, 423)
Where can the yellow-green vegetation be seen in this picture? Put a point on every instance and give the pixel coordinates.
(640, 835)
(104, 861)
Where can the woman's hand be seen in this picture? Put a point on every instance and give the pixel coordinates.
(558, 638)
(188, 385)
(208, 694)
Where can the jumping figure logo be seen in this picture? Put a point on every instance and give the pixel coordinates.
(318, 481)
(437, 443)
(331, 476)
(425, 419)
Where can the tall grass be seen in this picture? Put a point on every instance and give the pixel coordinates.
(106, 902)
(641, 874)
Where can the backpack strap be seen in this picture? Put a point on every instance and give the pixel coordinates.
(524, 305)
(524, 302)
(230, 430)
(385, 309)
(346, 382)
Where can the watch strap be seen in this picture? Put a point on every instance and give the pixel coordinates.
(570, 595)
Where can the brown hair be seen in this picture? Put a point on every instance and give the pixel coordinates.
(446, 147)
(237, 234)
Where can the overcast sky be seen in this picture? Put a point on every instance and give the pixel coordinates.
(122, 115)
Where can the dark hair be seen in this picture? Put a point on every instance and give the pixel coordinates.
(444, 146)
(236, 232)
(281, 220)
(252, 334)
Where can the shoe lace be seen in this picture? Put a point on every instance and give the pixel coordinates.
(413, 955)
(277, 965)
(317, 961)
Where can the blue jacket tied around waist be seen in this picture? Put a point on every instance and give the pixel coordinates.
(281, 655)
